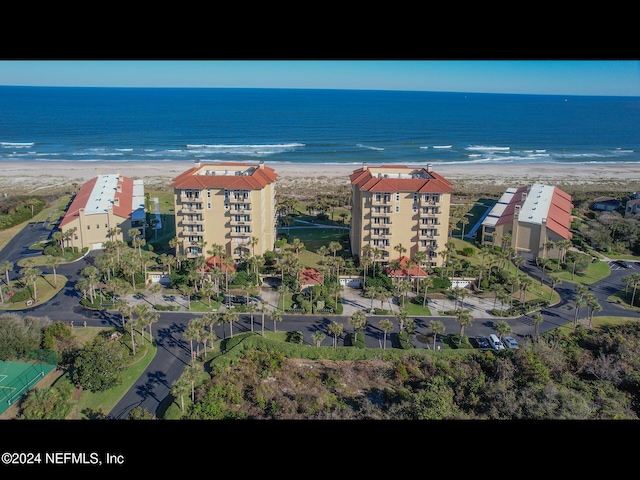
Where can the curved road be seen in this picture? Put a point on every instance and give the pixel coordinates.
(173, 355)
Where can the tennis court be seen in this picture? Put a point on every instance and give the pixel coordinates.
(18, 378)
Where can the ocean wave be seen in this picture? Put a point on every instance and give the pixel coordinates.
(17, 144)
(489, 148)
(248, 150)
(442, 146)
(369, 147)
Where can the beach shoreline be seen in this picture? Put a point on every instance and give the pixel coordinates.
(34, 176)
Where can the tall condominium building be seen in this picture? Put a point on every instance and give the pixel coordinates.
(399, 211)
(534, 220)
(226, 204)
(104, 208)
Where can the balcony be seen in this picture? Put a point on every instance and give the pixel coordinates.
(382, 213)
(233, 233)
(427, 236)
(239, 222)
(192, 221)
(429, 213)
(239, 208)
(192, 208)
(239, 199)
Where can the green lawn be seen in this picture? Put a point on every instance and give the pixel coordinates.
(595, 272)
(46, 289)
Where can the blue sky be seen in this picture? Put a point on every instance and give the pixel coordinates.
(555, 77)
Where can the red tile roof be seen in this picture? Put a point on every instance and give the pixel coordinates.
(260, 178)
(122, 207)
(216, 262)
(433, 183)
(403, 271)
(310, 276)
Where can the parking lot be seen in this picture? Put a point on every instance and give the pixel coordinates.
(623, 265)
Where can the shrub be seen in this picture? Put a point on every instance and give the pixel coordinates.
(53, 250)
(404, 340)
(294, 337)
(21, 296)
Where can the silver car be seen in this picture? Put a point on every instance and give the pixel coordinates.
(510, 342)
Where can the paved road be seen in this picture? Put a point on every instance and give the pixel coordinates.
(174, 352)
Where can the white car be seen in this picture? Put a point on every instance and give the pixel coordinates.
(495, 342)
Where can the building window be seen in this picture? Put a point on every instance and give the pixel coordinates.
(397, 197)
(97, 225)
(88, 227)
(397, 208)
(209, 205)
(208, 193)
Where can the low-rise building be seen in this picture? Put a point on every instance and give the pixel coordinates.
(533, 220)
(105, 208)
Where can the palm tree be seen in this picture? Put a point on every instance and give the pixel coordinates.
(253, 242)
(192, 333)
(276, 316)
(54, 263)
(151, 318)
(229, 316)
(209, 319)
(335, 329)
(193, 373)
(6, 267)
(403, 287)
(402, 316)
(155, 289)
(318, 336)
(179, 389)
(264, 306)
(555, 281)
(464, 221)
(503, 328)
(537, 320)
(635, 281)
(400, 249)
(359, 322)
(580, 302)
(252, 307)
(438, 328)
(386, 326)
(426, 283)
(334, 247)
(32, 274)
(594, 306)
(465, 319)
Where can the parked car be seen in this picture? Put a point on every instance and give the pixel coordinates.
(482, 342)
(624, 263)
(495, 342)
(239, 300)
(510, 342)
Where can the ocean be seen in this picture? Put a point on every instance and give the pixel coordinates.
(87, 124)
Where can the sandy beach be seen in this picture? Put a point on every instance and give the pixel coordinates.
(44, 177)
